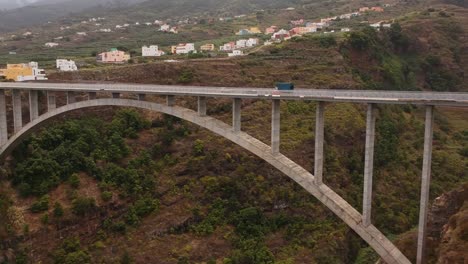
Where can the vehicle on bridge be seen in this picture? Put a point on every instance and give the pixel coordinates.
(284, 86)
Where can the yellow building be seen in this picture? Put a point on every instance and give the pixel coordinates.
(207, 47)
(255, 30)
(23, 72)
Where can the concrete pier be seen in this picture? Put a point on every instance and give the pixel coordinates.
(92, 95)
(17, 111)
(425, 185)
(51, 101)
(275, 126)
(141, 97)
(3, 119)
(170, 100)
(33, 105)
(236, 114)
(368, 166)
(71, 97)
(319, 132)
(202, 106)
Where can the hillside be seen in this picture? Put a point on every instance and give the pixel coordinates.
(51, 10)
(113, 185)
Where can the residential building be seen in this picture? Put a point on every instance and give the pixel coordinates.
(228, 46)
(297, 22)
(81, 33)
(23, 72)
(165, 28)
(364, 9)
(377, 9)
(251, 42)
(151, 51)
(255, 30)
(271, 30)
(207, 47)
(184, 48)
(113, 56)
(243, 32)
(302, 30)
(241, 43)
(267, 43)
(281, 34)
(51, 44)
(66, 65)
(345, 30)
(236, 53)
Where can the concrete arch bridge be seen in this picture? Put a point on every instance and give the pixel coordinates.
(360, 222)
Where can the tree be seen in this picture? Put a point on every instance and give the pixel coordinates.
(58, 210)
(81, 206)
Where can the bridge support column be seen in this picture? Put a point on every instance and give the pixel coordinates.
(170, 100)
(236, 114)
(425, 185)
(92, 96)
(202, 106)
(115, 95)
(319, 131)
(3, 119)
(71, 98)
(51, 101)
(33, 105)
(17, 111)
(368, 166)
(141, 97)
(275, 126)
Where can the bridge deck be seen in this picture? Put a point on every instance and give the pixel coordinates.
(357, 96)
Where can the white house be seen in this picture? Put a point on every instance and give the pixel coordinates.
(165, 27)
(51, 44)
(151, 51)
(184, 48)
(252, 42)
(345, 30)
(228, 46)
(81, 33)
(236, 53)
(66, 65)
(241, 43)
(37, 74)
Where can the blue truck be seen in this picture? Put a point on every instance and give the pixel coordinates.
(284, 86)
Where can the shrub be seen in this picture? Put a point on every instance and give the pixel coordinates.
(74, 181)
(186, 76)
(58, 210)
(41, 205)
(83, 205)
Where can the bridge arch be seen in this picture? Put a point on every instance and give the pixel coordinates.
(387, 251)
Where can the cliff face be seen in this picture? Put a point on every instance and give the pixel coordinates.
(447, 237)
(449, 226)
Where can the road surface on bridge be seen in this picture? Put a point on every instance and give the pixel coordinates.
(356, 96)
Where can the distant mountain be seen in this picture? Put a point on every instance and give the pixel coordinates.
(33, 12)
(12, 4)
(42, 11)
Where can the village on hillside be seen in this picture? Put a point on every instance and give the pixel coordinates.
(250, 38)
